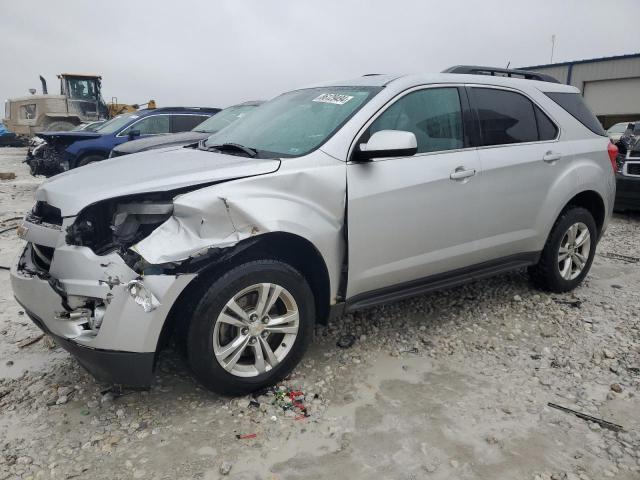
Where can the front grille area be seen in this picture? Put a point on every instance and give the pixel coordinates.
(633, 168)
(41, 256)
(44, 212)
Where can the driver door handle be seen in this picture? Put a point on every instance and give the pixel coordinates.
(460, 173)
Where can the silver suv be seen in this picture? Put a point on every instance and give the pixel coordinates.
(321, 201)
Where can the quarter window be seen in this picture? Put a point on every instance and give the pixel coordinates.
(153, 125)
(574, 104)
(434, 115)
(505, 117)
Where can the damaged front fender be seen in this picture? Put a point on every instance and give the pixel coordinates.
(306, 198)
(188, 233)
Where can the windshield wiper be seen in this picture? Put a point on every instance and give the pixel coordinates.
(251, 152)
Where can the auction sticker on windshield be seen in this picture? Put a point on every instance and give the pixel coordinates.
(335, 98)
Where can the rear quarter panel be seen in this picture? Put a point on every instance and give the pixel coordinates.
(587, 169)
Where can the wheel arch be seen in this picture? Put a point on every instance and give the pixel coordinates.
(88, 153)
(289, 248)
(591, 201)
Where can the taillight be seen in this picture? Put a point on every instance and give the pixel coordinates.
(612, 150)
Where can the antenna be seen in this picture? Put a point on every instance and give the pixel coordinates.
(553, 45)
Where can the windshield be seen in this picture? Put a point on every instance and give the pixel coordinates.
(116, 123)
(295, 123)
(223, 119)
(618, 128)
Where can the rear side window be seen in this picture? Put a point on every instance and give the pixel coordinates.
(505, 117)
(184, 123)
(547, 130)
(574, 104)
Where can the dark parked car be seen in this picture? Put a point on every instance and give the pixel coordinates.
(67, 150)
(628, 174)
(200, 132)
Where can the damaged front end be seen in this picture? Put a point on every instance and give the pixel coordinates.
(73, 281)
(47, 153)
(45, 159)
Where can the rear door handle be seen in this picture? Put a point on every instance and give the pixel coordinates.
(461, 173)
(551, 157)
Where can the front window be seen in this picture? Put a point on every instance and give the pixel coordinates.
(295, 123)
(28, 112)
(433, 115)
(152, 125)
(224, 118)
(116, 123)
(82, 89)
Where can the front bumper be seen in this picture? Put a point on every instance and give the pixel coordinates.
(121, 346)
(109, 366)
(627, 192)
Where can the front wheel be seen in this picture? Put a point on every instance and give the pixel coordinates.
(568, 253)
(251, 327)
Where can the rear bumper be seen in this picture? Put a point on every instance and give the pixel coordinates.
(133, 369)
(627, 193)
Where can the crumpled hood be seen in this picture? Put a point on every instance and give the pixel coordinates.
(66, 138)
(153, 171)
(159, 141)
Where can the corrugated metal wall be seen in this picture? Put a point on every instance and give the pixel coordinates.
(611, 87)
(560, 72)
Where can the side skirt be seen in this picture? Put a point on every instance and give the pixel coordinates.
(440, 281)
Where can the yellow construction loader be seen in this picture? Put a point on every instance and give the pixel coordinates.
(80, 101)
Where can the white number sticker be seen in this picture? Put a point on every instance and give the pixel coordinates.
(335, 98)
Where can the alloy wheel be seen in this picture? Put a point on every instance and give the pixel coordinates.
(256, 330)
(573, 254)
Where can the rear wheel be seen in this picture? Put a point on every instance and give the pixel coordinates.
(60, 126)
(251, 327)
(568, 253)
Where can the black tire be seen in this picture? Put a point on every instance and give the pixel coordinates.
(546, 273)
(89, 159)
(60, 126)
(200, 350)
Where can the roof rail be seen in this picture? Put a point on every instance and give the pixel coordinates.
(501, 72)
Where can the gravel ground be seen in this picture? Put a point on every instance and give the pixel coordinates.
(449, 385)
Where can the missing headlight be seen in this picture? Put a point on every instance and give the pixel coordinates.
(117, 224)
(131, 218)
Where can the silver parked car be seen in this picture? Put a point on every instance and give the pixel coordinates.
(324, 200)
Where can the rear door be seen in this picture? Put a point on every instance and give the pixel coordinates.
(413, 217)
(520, 157)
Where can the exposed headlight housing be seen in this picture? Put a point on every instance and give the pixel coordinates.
(117, 224)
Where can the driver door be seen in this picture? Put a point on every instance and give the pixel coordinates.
(407, 217)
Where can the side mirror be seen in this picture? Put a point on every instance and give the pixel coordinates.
(133, 134)
(388, 143)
